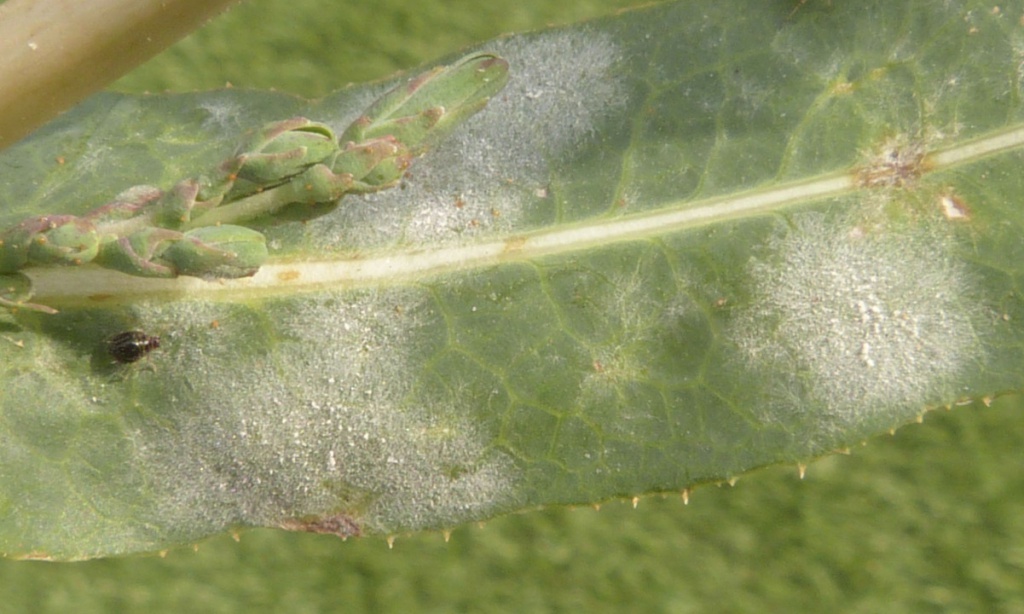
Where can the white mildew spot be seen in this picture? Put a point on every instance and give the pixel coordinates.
(629, 319)
(322, 425)
(852, 324)
(562, 89)
(222, 115)
(479, 180)
(82, 169)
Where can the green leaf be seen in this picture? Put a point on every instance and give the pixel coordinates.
(684, 242)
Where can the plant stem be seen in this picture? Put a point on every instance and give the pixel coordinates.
(260, 204)
(54, 53)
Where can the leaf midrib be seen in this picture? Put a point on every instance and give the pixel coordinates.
(90, 285)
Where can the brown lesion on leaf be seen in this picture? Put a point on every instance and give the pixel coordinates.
(898, 163)
(954, 208)
(514, 245)
(341, 525)
(841, 88)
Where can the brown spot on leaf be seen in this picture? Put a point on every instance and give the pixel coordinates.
(841, 88)
(341, 525)
(955, 209)
(514, 244)
(291, 275)
(897, 164)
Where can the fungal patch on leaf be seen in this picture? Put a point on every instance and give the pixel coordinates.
(222, 115)
(852, 325)
(628, 320)
(561, 89)
(324, 426)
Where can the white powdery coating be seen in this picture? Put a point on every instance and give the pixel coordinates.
(319, 427)
(562, 86)
(630, 319)
(222, 115)
(852, 325)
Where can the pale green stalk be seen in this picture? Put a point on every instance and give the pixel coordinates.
(54, 53)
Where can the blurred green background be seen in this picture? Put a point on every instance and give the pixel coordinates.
(931, 519)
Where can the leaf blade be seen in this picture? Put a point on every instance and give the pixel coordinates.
(629, 274)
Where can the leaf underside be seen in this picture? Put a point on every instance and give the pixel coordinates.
(684, 242)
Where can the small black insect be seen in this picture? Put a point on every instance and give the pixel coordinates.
(131, 345)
